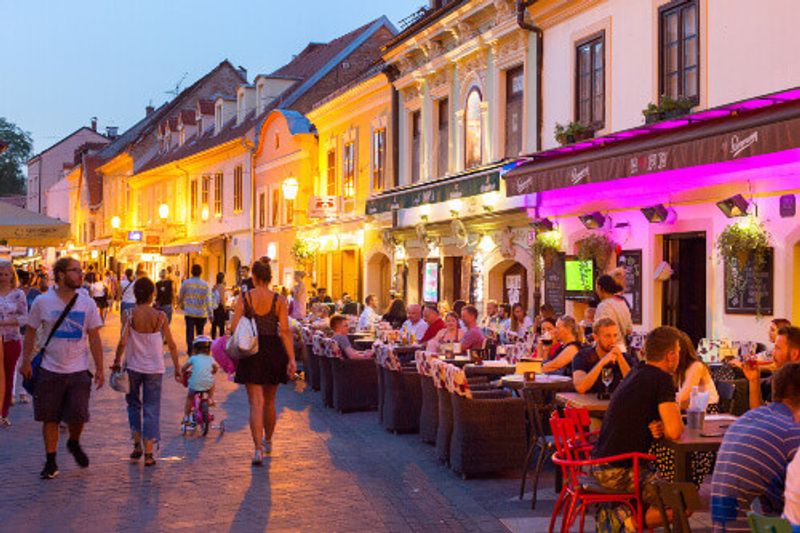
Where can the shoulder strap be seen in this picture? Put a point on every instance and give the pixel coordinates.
(60, 319)
(128, 286)
(274, 300)
(248, 310)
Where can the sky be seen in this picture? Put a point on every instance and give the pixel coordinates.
(64, 62)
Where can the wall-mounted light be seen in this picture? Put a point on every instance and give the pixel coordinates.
(290, 187)
(163, 211)
(593, 220)
(659, 214)
(115, 222)
(735, 206)
(543, 224)
(204, 213)
(423, 218)
(486, 244)
(456, 207)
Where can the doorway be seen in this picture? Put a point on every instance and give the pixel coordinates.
(684, 301)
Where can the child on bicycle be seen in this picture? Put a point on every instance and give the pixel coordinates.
(203, 367)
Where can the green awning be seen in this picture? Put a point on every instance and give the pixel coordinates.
(432, 192)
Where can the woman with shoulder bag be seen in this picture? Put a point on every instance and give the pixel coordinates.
(142, 341)
(274, 363)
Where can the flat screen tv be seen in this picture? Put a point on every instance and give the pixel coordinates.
(578, 278)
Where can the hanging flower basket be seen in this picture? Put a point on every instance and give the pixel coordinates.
(598, 247)
(304, 251)
(739, 244)
(545, 247)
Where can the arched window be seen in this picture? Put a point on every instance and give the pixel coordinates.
(472, 129)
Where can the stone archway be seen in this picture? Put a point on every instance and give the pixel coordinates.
(379, 276)
(495, 265)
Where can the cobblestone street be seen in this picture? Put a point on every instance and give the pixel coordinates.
(328, 472)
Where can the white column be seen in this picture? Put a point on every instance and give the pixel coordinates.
(494, 98)
(456, 123)
(529, 132)
(426, 155)
(403, 145)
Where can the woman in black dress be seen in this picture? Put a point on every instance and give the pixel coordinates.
(274, 362)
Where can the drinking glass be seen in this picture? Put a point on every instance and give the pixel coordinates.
(607, 377)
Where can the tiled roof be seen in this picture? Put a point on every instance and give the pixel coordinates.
(188, 117)
(94, 182)
(372, 71)
(62, 140)
(421, 23)
(206, 107)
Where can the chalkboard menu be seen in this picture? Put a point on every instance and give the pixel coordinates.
(631, 261)
(744, 285)
(555, 282)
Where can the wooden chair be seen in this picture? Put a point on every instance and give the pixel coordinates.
(682, 499)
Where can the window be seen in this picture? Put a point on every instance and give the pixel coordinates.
(192, 200)
(349, 171)
(378, 159)
(289, 212)
(416, 141)
(679, 51)
(205, 190)
(262, 210)
(276, 206)
(238, 189)
(442, 138)
(590, 92)
(277, 140)
(331, 172)
(515, 92)
(472, 129)
(218, 187)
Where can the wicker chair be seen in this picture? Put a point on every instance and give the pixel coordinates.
(312, 368)
(355, 384)
(326, 374)
(429, 409)
(402, 396)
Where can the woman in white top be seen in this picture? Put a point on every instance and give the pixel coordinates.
(13, 314)
(521, 323)
(299, 296)
(450, 333)
(613, 305)
(142, 340)
(692, 372)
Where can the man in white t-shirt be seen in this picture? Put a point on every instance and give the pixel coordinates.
(63, 385)
(127, 298)
(370, 317)
(415, 324)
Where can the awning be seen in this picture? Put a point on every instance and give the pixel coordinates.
(472, 183)
(188, 245)
(100, 243)
(131, 250)
(20, 227)
(736, 131)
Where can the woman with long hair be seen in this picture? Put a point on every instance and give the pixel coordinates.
(13, 314)
(570, 338)
(521, 323)
(220, 314)
(273, 364)
(396, 314)
(450, 333)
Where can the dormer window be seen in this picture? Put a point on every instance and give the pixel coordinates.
(218, 118)
(277, 140)
(260, 97)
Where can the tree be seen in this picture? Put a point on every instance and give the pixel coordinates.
(13, 160)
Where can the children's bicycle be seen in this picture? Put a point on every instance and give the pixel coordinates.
(201, 416)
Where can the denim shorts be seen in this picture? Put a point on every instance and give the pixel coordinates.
(62, 397)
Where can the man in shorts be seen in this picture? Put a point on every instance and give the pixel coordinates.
(63, 385)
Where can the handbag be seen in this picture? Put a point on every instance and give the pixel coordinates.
(244, 341)
(120, 381)
(36, 363)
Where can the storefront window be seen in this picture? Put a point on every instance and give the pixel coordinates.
(472, 129)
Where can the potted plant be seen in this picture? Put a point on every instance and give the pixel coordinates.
(545, 246)
(597, 246)
(303, 252)
(666, 108)
(572, 132)
(740, 243)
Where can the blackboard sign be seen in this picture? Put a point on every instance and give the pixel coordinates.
(631, 261)
(554, 282)
(743, 285)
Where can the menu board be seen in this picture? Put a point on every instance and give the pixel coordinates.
(742, 291)
(555, 283)
(430, 282)
(631, 261)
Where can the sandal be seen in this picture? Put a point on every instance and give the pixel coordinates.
(137, 452)
(149, 460)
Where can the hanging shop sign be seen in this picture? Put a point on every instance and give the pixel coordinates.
(323, 207)
(135, 236)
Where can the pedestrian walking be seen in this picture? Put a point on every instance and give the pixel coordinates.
(13, 315)
(165, 294)
(195, 300)
(142, 340)
(127, 300)
(299, 296)
(99, 293)
(63, 383)
(220, 313)
(274, 363)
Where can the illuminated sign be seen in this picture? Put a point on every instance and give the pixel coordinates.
(135, 236)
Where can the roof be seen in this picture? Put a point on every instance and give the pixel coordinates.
(430, 16)
(94, 182)
(188, 117)
(297, 122)
(371, 72)
(206, 107)
(129, 135)
(20, 227)
(62, 141)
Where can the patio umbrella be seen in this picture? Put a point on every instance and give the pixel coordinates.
(20, 227)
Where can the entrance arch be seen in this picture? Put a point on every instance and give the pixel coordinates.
(379, 276)
(495, 267)
(508, 283)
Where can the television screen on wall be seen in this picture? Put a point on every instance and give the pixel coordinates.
(430, 282)
(578, 278)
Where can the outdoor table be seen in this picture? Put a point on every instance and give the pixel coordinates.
(363, 343)
(708, 439)
(405, 353)
(584, 401)
(459, 360)
(490, 368)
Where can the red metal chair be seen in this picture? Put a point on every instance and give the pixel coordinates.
(580, 488)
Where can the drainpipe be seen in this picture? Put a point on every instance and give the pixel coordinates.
(251, 149)
(522, 10)
(392, 74)
(186, 189)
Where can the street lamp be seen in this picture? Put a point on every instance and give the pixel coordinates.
(163, 211)
(290, 187)
(115, 222)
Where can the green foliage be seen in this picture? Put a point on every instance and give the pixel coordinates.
(572, 132)
(667, 107)
(597, 246)
(544, 246)
(14, 159)
(738, 244)
(304, 251)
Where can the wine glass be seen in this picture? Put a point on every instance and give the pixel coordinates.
(607, 377)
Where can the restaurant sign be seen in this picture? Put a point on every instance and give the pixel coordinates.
(134, 236)
(323, 207)
(435, 192)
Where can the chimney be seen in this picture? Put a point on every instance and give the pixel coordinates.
(149, 109)
(243, 72)
(111, 132)
(94, 123)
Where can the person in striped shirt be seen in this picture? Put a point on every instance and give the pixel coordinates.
(195, 300)
(755, 452)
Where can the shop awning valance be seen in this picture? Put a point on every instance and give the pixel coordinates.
(100, 243)
(476, 181)
(736, 131)
(130, 250)
(188, 245)
(20, 227)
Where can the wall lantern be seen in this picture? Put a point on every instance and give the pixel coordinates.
(593, 220)
(290, 187)
(486, 244)
(659, 214)
(204, 213)
(163, 211)
(735, 206)
(543, 224)
(115, 222)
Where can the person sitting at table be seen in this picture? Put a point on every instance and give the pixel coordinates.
(642, 408)
(545, 311)
(340, 330)
(396, 314)
(370, 316)
(415, 324)
(504, 314)
(755, 453)
(435, 324)
(588, 363)
(473, 338)
(546, 343)
(458, 306)
(448, 335)
(772, 334)
(787, 349)
(570, 338)
(491, 320)
(521, 323)
(587, 323)
(321, 318)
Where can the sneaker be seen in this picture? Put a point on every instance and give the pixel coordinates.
(149, 460)
(258, 458)
(267, 447)
(137, 452)
(74, 447)
(49, 471)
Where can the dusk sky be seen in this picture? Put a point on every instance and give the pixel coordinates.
(65, 62)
